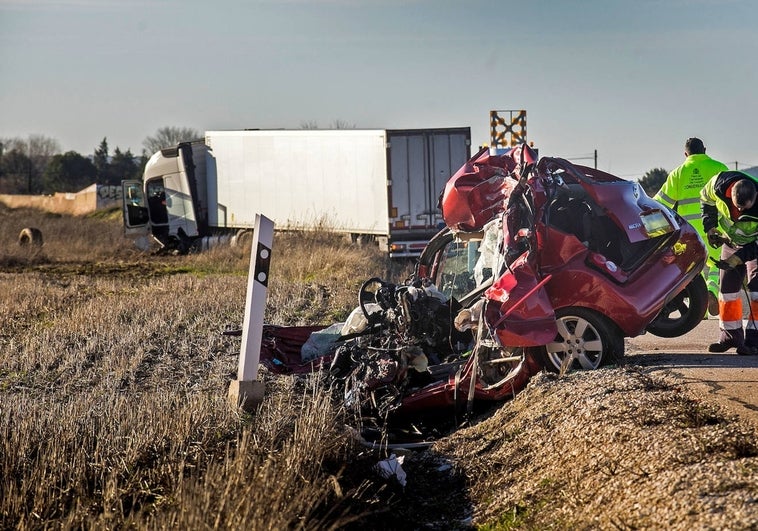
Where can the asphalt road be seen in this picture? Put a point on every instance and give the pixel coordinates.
(728, 379)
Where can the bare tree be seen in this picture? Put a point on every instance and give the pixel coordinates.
(336, 124)
(35, 146)
(310, 124)
(342, 124)
(169, 136)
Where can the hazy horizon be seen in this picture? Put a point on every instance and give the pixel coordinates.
(631, 81)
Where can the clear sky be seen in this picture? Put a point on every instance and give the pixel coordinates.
(631, 79)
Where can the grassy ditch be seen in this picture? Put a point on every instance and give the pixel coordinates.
(114, 374)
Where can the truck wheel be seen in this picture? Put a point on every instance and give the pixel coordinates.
(586, 340)
(361, 239)
(243, 239)
(682, 313)
(30, 236)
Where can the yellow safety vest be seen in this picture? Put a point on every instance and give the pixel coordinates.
(681, 191)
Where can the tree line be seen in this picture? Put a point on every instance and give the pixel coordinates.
(36, 165)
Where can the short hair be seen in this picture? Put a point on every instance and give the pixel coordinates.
(743, 192)
(694, 146)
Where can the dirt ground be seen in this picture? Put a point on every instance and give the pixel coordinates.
(624, 448)
(728, 379)
(665, 440)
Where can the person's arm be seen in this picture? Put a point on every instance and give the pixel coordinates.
(743, 254)
(710, 216)
(708, 208)
(668, 194)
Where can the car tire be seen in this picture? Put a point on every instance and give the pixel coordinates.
(682, 313)
(589, 338)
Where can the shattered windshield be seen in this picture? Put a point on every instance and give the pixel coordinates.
(467, 266)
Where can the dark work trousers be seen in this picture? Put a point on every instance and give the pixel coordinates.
(732, 287)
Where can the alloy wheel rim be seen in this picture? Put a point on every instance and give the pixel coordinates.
(579, 340)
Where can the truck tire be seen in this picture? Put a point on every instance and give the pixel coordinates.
(30, 236)
(243, 239)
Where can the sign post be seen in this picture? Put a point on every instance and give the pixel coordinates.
(246, 391)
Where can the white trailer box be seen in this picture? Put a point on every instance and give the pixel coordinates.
(299, 179)
(383, 184)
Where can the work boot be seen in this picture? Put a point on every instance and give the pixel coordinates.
(747, 350)
(713, 303)
(721, 347)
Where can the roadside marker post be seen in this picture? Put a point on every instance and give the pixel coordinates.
(246, 391)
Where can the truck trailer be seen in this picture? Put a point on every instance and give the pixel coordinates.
(371, 184)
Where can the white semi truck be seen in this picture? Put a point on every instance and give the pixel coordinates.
(371, 184)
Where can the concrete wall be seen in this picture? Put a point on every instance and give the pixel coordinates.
(94, 197)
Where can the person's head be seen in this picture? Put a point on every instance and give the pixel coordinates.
(693, 146)
(744, 194)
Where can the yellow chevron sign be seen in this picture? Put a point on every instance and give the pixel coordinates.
(507, 128)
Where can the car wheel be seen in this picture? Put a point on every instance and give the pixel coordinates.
(585, 340)
(682, 313)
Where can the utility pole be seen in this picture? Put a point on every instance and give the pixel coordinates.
(30, 167)
(596, 159)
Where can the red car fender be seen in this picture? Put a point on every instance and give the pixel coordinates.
(518, 308)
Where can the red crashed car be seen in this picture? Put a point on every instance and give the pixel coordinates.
(612, 262)
(542, 264)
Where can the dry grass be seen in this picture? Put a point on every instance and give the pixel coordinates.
(114, 415)
(66, 238)
(609, 449)
(316, 276)
(113, 383)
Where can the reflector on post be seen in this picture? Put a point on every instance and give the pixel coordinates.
(246, 392)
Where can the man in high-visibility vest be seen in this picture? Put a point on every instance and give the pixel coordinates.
(730, 219)
(681, 192)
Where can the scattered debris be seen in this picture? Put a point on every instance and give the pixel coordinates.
(392, 469)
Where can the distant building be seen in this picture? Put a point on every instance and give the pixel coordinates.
(94, 197)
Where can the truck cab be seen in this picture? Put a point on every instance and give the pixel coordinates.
(162, 207)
